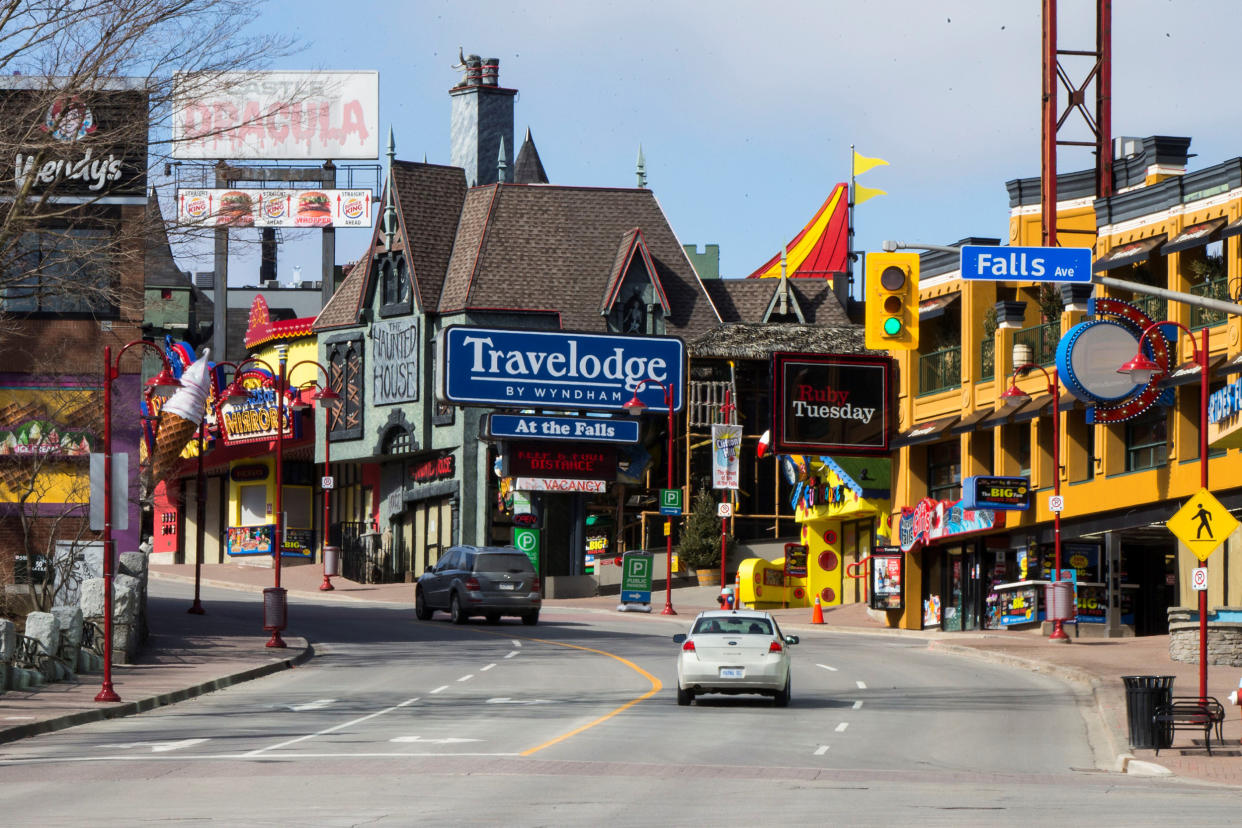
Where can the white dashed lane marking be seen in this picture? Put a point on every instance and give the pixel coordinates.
(858, 704)
(821, 750)
(440, 689)
(862, 685)
(826, 667)
(512, 654)
(841, 727)
(466, 678)
(488, 667)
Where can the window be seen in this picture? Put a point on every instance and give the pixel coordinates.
(944, 471)
(394, 284)
(397, 441)
(345, 376)
(1147, 440)
(61, 271)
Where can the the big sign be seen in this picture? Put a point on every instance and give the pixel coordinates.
(558, 369)
(830, 404)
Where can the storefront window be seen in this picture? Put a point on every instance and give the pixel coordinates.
(1147, 440)
(944, 471)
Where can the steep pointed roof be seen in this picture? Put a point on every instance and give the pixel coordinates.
(342, 309)
(429, 201)
(752, 300)
(529, 169)
(554, 249)
(821, 248)
(632, 246)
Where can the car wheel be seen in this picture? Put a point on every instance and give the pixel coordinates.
(684, 697)
(530, 619)
(421, 611)
(782, 696)
(456, 613)
(493, 617)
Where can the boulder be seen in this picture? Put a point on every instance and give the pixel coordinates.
(92, 600)
(126, 594)
(70, 619)
(44, 628)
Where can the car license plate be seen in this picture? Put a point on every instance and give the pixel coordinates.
(507, 586)
(732, 672)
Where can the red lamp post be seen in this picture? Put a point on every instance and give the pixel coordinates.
(200, 529)
(1013, 395)
(635, 407)
(726, 410)
(164, 380)
(275, 605)
(328, 399)
(1142, 370)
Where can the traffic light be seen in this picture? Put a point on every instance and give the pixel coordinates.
(892, 301)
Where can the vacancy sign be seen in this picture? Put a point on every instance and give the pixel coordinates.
(1202, 524)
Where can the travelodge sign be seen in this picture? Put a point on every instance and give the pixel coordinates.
(558, 369)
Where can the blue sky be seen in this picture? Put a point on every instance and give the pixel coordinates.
(746, 111)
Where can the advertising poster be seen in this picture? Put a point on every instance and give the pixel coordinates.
(726, 441)
(275, 208)
(887, 581)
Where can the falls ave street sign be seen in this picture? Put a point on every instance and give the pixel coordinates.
(558, 369)
(1202, 524)
(1026, 264)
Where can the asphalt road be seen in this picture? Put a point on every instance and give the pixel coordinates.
(575, 721)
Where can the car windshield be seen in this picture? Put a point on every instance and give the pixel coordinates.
(515, 563)
(733, 626)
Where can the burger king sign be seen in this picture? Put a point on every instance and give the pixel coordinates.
(275, 208)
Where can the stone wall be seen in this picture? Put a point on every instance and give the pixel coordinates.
(1224, 638)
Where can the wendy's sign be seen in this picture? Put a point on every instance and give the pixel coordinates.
(558, 369)
(831, 404)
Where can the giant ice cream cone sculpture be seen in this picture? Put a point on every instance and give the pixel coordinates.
(180, 417)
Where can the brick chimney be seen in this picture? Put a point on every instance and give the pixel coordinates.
(482, 119)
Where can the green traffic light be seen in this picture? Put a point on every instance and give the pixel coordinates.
(892, 326)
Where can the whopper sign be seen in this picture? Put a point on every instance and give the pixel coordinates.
(276, 115)
(831, 404)
(558, 369)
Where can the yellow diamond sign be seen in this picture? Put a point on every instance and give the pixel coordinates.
(1202, 524)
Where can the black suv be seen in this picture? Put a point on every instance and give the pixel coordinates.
(490, 581)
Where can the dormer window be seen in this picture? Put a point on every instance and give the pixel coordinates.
(394, 284)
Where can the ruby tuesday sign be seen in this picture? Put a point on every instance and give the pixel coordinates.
(558, 369)
(829, 404)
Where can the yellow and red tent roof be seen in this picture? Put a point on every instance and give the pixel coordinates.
(821, 248)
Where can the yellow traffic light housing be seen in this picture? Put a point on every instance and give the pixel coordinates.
(892, 301)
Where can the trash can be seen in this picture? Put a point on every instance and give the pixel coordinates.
(1143, 695)
(1060, 601)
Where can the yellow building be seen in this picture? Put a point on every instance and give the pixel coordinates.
(1123, 473)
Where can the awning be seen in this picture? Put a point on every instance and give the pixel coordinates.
(1128, 253)
(1233, 366)
(924, 432)
(1233, 228)
(931, 308)
(996, 418)
(969, 422)
(1188, 372)
(1041, 406)
(1195, 235)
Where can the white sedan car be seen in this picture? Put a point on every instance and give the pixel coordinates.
(734, 651)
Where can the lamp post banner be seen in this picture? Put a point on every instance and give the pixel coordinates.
(558, 369)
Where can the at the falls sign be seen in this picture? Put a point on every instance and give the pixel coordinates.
(830, 404)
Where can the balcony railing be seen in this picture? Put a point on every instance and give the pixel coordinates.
(987, 359)
(940, 370)
(1211, 289)
(1156, 307)
(1042, 340)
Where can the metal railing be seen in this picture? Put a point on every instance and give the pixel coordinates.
(364, 559)
(1042, 340)
(1156, 307)
(1211, 289)
(940, 370)
(987, 359)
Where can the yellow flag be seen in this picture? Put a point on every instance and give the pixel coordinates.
(862, 163)
(861, 194)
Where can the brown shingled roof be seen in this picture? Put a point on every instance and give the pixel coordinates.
(342, 309)
(429, 201)
(554, 248)
(746, 300)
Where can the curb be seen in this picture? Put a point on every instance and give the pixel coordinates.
(68, 720)
(329, 595)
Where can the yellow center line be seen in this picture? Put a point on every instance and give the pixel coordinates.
(656, 687)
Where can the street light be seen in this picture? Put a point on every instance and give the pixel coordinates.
(275, 605)
(636, 407)
(329, 400)
(1142, 370)
(1013, 395)
(163, 382)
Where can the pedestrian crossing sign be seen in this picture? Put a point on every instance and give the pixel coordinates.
(1202, 524)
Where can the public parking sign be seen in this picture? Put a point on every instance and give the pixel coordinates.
(670, 501)
(1026, 264)
(527, 540)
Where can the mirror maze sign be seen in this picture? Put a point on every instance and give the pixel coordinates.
(831, 404)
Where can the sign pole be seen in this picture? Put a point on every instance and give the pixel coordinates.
(1203, 483)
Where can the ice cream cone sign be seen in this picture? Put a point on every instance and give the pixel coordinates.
(180, 417)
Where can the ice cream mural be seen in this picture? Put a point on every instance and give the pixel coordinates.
(180, 417)
(49, 425)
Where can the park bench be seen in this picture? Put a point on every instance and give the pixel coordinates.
(1188, 713)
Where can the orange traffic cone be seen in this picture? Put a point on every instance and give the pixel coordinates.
(817, 614)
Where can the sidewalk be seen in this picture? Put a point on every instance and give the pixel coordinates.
(189, 655)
